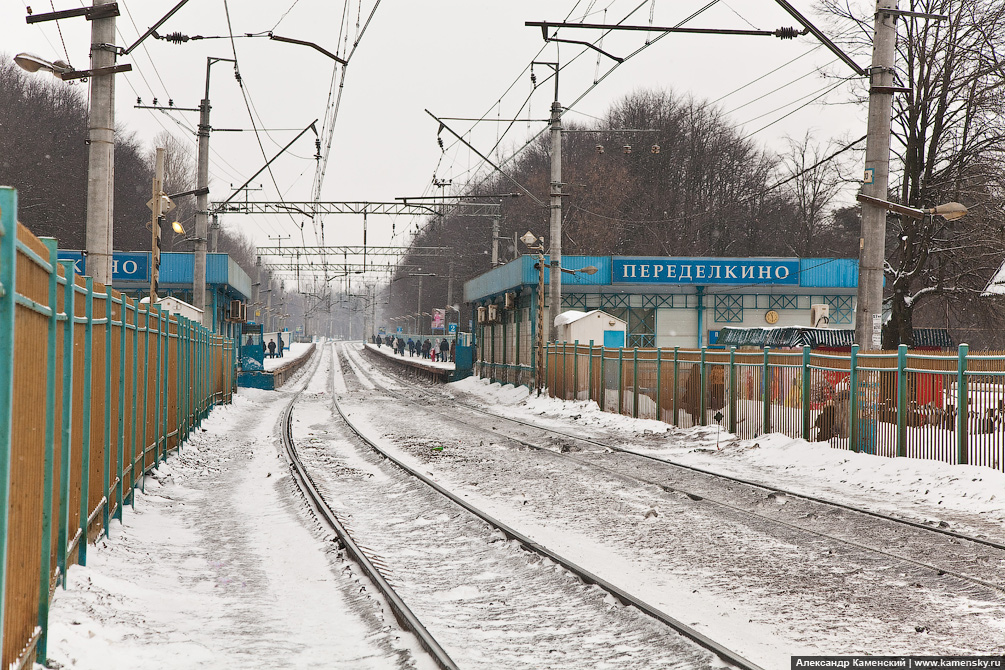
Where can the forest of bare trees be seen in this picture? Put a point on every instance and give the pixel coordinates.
(692, 187)
(948, 145)
(43, 153)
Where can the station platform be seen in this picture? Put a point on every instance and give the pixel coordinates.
(417, 365)
(277, 370)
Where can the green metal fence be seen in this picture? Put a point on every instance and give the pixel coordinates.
(95, 389)
(948, 407)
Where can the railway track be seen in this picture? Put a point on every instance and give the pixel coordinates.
(720, 490)
(319, 489)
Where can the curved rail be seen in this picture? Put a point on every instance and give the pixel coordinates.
(740, 480)
(402, 613)
(635, 478)
(588, 577)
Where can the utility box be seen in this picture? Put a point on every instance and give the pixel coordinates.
(820, 316)
(598, 326)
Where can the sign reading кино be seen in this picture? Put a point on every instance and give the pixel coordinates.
(705, 271)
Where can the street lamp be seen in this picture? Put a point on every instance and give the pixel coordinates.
(950, 211)
(536, 244)
(33, 63)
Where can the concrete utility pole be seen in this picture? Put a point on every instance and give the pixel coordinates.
(256, 289)
(555, 288)
(418, 307)
(495, 241)
(268, 305)
(869, 312)
(155, 225)
(101, 150)
(214, 234)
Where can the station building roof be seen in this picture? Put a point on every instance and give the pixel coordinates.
(131, 270)
(650, 274)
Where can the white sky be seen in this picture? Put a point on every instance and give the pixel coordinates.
(456, 58)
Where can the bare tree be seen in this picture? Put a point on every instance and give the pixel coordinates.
(949, 145)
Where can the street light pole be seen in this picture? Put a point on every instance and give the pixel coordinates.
(101, 150)
(202, 203)
(869, 311)
(555, 278)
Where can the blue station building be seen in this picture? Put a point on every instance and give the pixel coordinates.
(666, 301)
(226, 282)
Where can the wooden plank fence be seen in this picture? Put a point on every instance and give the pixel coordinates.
(95, 390)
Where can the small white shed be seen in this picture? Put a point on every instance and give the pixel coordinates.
(598, 326)
(175, 306)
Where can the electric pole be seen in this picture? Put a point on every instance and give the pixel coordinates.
(869, 313)
(155, 225)
(555, 279)
(101, 149)
(202, 202)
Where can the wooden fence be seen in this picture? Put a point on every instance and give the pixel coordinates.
(948, 407)
(95, 389)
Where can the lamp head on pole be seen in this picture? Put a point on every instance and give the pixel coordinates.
(33, 63)
(528, 238)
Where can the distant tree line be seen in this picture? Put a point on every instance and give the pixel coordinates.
(43, 153)
(696, 186)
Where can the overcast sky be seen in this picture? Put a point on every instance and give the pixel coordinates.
(459, 58)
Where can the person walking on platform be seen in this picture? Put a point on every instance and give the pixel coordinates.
(453, 350)
(272, 348)
(280, 346)
(401, 346)
(444, 350)
(425, 348)
(411, 347)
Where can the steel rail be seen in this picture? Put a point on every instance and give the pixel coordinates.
(747, 482)
(694, 496)
(401, 611)
(585, 575)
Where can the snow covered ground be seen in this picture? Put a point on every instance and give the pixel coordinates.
(297, 350)
(973, 496)
(219, 565)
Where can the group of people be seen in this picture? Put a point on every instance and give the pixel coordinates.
(442, 350)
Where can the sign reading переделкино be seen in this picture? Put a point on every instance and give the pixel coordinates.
(627, 270)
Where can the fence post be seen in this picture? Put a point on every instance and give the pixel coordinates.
(122, 409)
(659, 384)
(135, 403)
(157, 392)
(853, 439)
(621, 379)
(602, 386)
(162, 377)
(8, 305)
(635, 383)
(766, 393)
(67, 422)
(676, 371)
(178, 419)
(703, 384)
(85, 415)
(45, 558)
(565, 369)
(106, 490)
(902, 401)
(575, 370)
(962, 404)
(732, 390)
(144, 444)
(806, 392)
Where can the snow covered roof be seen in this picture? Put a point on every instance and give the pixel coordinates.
(997, 284)
(569, 317)
(797, 336)
(572, 315)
